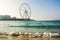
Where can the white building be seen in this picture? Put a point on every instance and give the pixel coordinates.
(5, 17)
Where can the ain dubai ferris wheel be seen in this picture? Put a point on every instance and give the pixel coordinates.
(25, 11)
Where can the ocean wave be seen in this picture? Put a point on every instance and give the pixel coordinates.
(41, 26)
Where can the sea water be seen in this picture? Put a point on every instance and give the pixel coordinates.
(29, 26)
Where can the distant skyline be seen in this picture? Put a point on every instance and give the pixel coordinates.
(40, 9)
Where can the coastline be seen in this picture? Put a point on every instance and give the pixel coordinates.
(17, 20)
(27, 36)
(11, 30)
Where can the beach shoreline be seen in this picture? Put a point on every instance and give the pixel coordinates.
(29, 36)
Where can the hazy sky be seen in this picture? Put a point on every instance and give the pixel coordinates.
(41, 9)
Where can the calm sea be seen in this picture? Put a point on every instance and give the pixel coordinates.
(33, 26)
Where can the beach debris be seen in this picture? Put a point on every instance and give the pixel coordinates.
(14, 33)
(26, 33)
(49, 34)
(34, 35)
(3, 33)
(31, 34)
(55, 35)
(45, 34)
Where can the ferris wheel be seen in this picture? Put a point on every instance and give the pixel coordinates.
(25, 11)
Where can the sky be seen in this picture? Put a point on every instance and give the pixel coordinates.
(40, 9)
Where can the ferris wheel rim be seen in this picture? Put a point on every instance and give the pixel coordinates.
(28, 7)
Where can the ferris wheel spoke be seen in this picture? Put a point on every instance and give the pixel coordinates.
(25, 11)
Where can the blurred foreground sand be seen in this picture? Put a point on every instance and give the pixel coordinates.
(26, 38)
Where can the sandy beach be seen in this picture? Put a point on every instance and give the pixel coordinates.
(25, 37)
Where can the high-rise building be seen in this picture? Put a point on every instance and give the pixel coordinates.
(5, 17)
